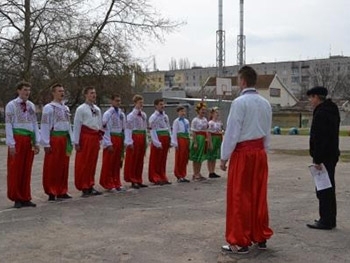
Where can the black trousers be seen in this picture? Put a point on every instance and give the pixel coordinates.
(327, 199)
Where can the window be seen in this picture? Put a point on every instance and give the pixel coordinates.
(295, 79)
(275, 92)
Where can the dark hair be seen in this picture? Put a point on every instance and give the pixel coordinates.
(22, 84)
(157, 101)
(86, 89)
(249, 75)
(136, 98)
(113, 96)
(54, 86)
(179, 108)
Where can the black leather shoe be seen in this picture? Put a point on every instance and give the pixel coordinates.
(135, 186)
(142, 185)
(86, 193)
(64, 196)
(165, 182)
(318, 225)
(51, 198)
(17, 204)
(214, 175)
(332, 225)
(93, 191)
(28, 203)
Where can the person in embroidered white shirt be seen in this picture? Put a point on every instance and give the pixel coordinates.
(22, 139)
(215, 129)
(180, 139)
(136, 142)
(56, 136)
(200, 141)
(160, 136)
(114, 123)
(87, 133)
(245, 143)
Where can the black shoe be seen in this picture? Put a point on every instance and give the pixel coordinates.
(86, 193)
(64, 196)
(235, 249)
(28, 203)
(93, 191)
(183, 180)
(17, 204)
(165, 182)
(51, 198)
(332, 225)
(135, 186)
(214, 175)
(142, 185)
(262, 245)
(158, 183)
(318, 225)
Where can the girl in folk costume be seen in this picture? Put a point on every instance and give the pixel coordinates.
(113, 122)
(201, 141)
(180, 139)
(215, 130)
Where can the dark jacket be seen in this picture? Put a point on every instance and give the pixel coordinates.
(324, 133)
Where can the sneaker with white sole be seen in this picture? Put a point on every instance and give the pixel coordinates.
(234, 249)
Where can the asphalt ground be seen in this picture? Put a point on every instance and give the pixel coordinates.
(175, 223)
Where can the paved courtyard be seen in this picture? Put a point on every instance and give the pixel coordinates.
(175, 223)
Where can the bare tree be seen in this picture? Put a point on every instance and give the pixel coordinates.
(56, 39)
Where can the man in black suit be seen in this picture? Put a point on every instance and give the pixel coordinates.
(324, 149)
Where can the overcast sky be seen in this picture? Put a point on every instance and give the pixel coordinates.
(276, 30)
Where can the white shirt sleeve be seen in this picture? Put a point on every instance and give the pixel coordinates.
(233, 130)
(106, 120)
(153, 132)
(46, 125)
(174, 133)
(77, 125)
(10, 117)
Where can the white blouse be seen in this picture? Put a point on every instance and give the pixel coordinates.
(158, 122)
(20, 115)
(113, 122)
(55, 116)
(135, 120)
(88, 115)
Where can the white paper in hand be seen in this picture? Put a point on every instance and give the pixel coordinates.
(321, 177)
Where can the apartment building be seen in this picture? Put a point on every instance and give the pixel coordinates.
(297, 76)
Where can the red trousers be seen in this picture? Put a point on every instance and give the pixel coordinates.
(19, 170)
(111, 164)
(86, 159)
(247, 218)
(56, 166)
(157, 160)
(181, 157)
(134, 156)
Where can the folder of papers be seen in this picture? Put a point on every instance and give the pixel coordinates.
(321, 177)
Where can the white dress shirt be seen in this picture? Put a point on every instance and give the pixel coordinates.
(158, 122)
(179, 126)
(250, 118)
(135, 120)
(113, 121)
(55, 117)
(88, 115)
(20, 116)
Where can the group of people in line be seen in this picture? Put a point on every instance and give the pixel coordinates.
(243, 148)
(123, 138)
